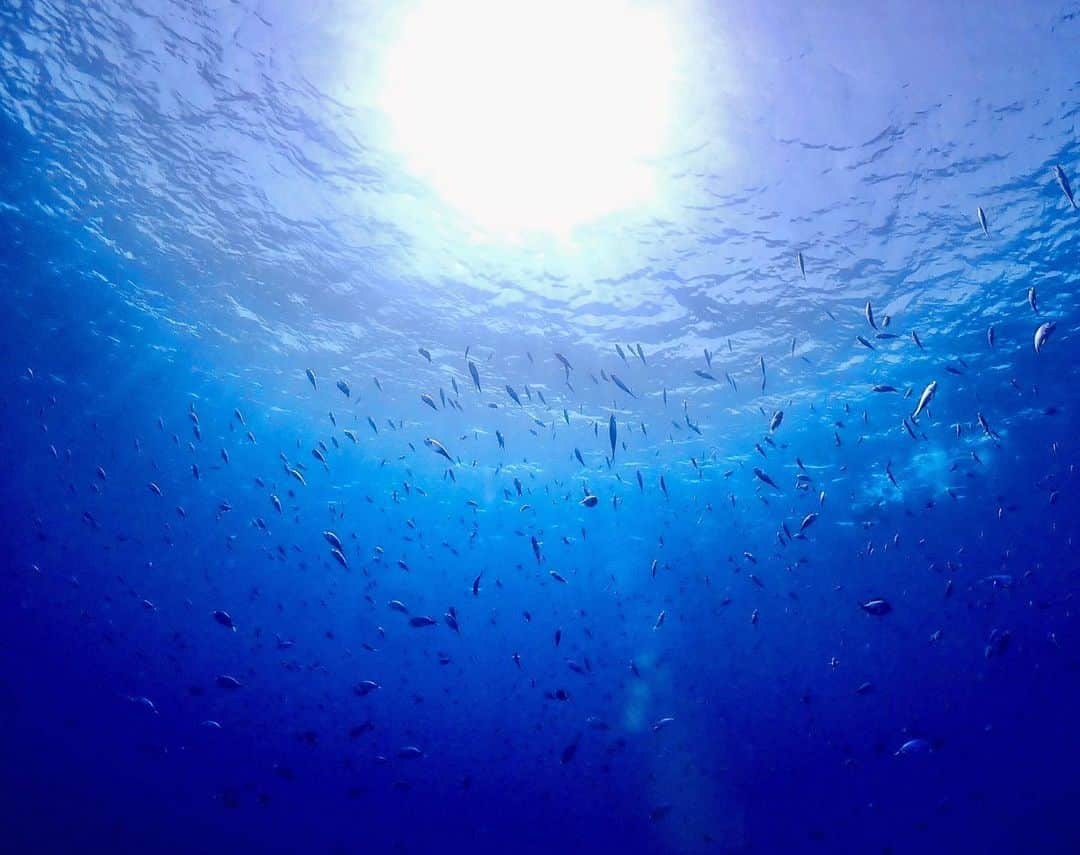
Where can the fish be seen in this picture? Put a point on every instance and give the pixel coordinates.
(985, 425)
(913, 746)
(224, 618)
(924, 399)
(622, 355)
(1063, 182)
(864, 342)
(777, 418)
(613, 433)
(808, 521)
(311, 379)
(660, 618)
(763, 477)
(565, 363)
(1033, 300)
(420, 621)
(590, 501)
(915, 338)
(998, 642)
(475, 375)
(641, 355)
(424, 352)
(877, 607)
(623, 386)
(869, 312)
(990, 337)
(344, 387)
(1043, 333)
(513, 395)
(982, 220)
(438, 448)
(802, 266)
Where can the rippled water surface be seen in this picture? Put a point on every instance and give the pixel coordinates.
(353, 506)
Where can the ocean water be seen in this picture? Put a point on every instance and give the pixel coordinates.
(795, 617)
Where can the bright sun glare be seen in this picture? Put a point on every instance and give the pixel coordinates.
(530, 116)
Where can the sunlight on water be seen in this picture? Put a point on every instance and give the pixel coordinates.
(529, 117)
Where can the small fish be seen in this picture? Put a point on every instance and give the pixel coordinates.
(590, 501)
(985, 425)
(438, 448)
(982, 220)
(475, 375)
(621, 385)
(1033, 300)
(762, 476)
(311, 379)
(998, 642)
(864, 342)
(990, 337)
(513, 395)
(1043, 333)
(876, 607)
(1063, 182)
(224, 618)
(424, 352)
(802, 266)
(915, 338)
(660, 619)
(613, 433)
(925, 398)
(777, 418)
(344, 387)
(913, 746)
(421, 621)
(869, 312)
(808, 521)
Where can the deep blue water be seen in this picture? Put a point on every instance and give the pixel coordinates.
(198, 205)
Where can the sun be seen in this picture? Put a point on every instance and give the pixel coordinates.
(529, 116)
